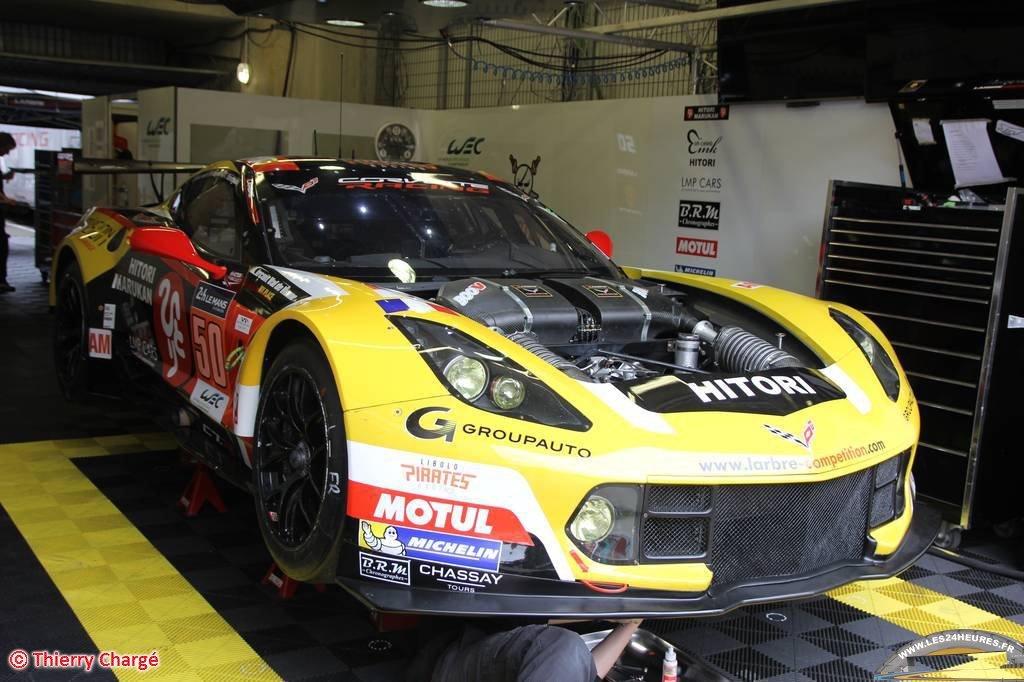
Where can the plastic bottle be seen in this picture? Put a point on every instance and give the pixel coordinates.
(669, 668)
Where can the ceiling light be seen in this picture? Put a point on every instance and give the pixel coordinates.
(448, 4)
(348, 23)
(243, 73)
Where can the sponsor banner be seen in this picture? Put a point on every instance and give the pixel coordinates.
(701, 183)
(699, 215)
(469, 293)
(532, 290)
(100, 344)
(378, 468)
(109, 315)
(169, 322)
(384, 568)
(208, 399)
(243, 324)
(425, 424)
(142, 344)
(425, 545)
(430, 513)
(301, 189)
(694, 270)
(603, 290)
(459, 579)
(702, 148)
(435, 473)
(212, 299)
(690, 246)
(775, 392)
(712, 112)
(137, 282)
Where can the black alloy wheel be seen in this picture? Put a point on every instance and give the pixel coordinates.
(298, 464)
(71, 334)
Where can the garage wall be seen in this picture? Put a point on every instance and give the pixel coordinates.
(756, 181)
(620, 166)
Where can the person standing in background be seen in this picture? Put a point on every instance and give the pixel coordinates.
(7, 145)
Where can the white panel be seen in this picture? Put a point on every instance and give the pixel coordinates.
(619, 165)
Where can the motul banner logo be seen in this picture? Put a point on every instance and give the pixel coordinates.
(688, 246)
(411, 510)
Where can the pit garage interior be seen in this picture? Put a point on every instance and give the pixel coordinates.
(864, 152)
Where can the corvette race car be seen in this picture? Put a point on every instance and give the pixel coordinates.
(446, 399)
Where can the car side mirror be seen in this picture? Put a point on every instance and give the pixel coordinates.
(169, 242)
(602, 240)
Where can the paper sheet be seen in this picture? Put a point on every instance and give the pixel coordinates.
(923, 131)
(1010, 130)
(970, 153)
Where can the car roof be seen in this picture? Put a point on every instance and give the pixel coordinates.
(367, 167)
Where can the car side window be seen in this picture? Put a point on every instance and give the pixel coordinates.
(212, 216)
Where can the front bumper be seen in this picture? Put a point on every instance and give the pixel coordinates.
(552, 598)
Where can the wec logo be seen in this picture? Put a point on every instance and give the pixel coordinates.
(470, 146)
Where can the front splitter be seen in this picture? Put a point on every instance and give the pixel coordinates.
(640, 603)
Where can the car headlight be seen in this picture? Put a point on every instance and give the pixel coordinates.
(604, 525)
(466, 375)
(879, 360)
(468, 369)
(593, 521)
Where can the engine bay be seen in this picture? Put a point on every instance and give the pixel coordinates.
(607, 330)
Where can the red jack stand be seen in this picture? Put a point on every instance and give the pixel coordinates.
(200, 490)
(393, 622)
(286, 586)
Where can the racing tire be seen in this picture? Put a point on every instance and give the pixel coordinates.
(300, 464)
(71, 334)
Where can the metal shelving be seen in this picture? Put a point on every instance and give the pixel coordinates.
(930, 277)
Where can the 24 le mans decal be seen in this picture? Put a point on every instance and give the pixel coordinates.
(209, 311)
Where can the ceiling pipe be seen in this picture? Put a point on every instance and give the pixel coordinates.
(713, 14)
(586, 35)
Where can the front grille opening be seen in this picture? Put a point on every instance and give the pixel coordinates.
(883, 505)
(678, 499)
(674, 538)
(754, 532)
(788, 529)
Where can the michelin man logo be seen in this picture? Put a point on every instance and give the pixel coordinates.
(388, 543)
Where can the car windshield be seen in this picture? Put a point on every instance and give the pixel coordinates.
(441, 226)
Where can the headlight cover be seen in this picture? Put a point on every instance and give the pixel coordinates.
(879, 360)
(456, 359)
(616, 505)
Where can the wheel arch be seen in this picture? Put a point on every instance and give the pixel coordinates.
(65, 257)
(272, 337)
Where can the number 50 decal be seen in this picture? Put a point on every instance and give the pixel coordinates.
(208, 342)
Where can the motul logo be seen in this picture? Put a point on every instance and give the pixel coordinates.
(456, 517)
(706, 248)
(433, 514)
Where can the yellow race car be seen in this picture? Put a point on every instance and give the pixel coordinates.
(446, 399)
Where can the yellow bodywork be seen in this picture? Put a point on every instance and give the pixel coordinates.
(380, 382)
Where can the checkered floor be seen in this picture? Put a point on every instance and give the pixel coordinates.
(843, 636)
(311, 636)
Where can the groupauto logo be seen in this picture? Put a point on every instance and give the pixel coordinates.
(911, 662)
(439, 428)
